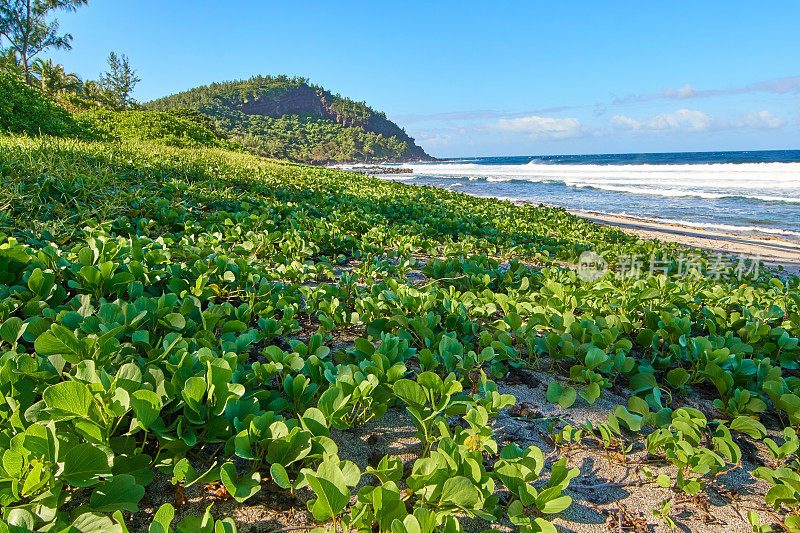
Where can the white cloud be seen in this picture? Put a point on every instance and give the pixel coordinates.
(687, 91)
(762, 120)
(434, 138)
(692, 120)
(790, 85)
(542, 128)
(625, 123)
(680, 120)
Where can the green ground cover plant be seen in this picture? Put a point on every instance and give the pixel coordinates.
(159, 304)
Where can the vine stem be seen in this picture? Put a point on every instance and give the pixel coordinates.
(610, 484)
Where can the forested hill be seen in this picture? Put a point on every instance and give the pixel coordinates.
(290, 118)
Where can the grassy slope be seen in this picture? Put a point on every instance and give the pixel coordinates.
(187, 235)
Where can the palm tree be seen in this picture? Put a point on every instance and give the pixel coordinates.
(52, 78)
(42, 71)
(93, 91)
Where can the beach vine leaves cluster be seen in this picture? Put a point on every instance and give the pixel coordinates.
(177, 311)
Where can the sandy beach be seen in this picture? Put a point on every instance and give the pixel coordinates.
(773, 251)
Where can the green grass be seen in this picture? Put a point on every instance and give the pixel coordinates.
(159, 304)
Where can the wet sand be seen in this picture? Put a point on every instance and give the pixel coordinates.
(773, 251)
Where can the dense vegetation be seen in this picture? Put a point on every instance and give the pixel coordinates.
(195, 316)
(173, 128)
(24, 109)
(290, 118)
(314, 140)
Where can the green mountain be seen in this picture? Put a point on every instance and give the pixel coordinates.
(290, 118)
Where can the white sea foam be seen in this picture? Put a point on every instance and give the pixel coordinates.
(684, 193)
(763, 181)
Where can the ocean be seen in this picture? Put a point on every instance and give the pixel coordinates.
(756, 193)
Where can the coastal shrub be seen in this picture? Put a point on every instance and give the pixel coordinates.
(170, 128)
(25, 109)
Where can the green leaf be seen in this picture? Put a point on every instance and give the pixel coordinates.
(240, 489)
(410, 392)
(645, 337)
(70, 397)
(21, 518)
(560, 475)
(634, 422)
(93, 523)
(719, 377)
(592, 392)
(13, 463)
(643, 382)
(12, 329)
(291, 448)
(175, 320)
(540, 525)
(460, 492)
(749, 426)
(279, 475)
(386, 502)
(184, 472)
(119, 492)
(557, 394)
(141, 335)
(677, 377)
(162, 519)
(781, 494)
(41, 442)
(650, 293)
(364, 346)
(234, 326)
(551, 501)
(193, 391)
(84, 464)
(793, 523)
(595, 358)
(388, 469)
(328, 484)
(147, 406)
(61, 342)
(517, 515)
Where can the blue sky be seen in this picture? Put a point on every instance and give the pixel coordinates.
(470, 78)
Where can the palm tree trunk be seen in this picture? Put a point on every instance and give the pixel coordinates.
(25, 39)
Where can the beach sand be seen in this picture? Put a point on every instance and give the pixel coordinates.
(773, 251)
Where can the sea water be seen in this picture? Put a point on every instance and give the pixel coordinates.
(739, 192)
